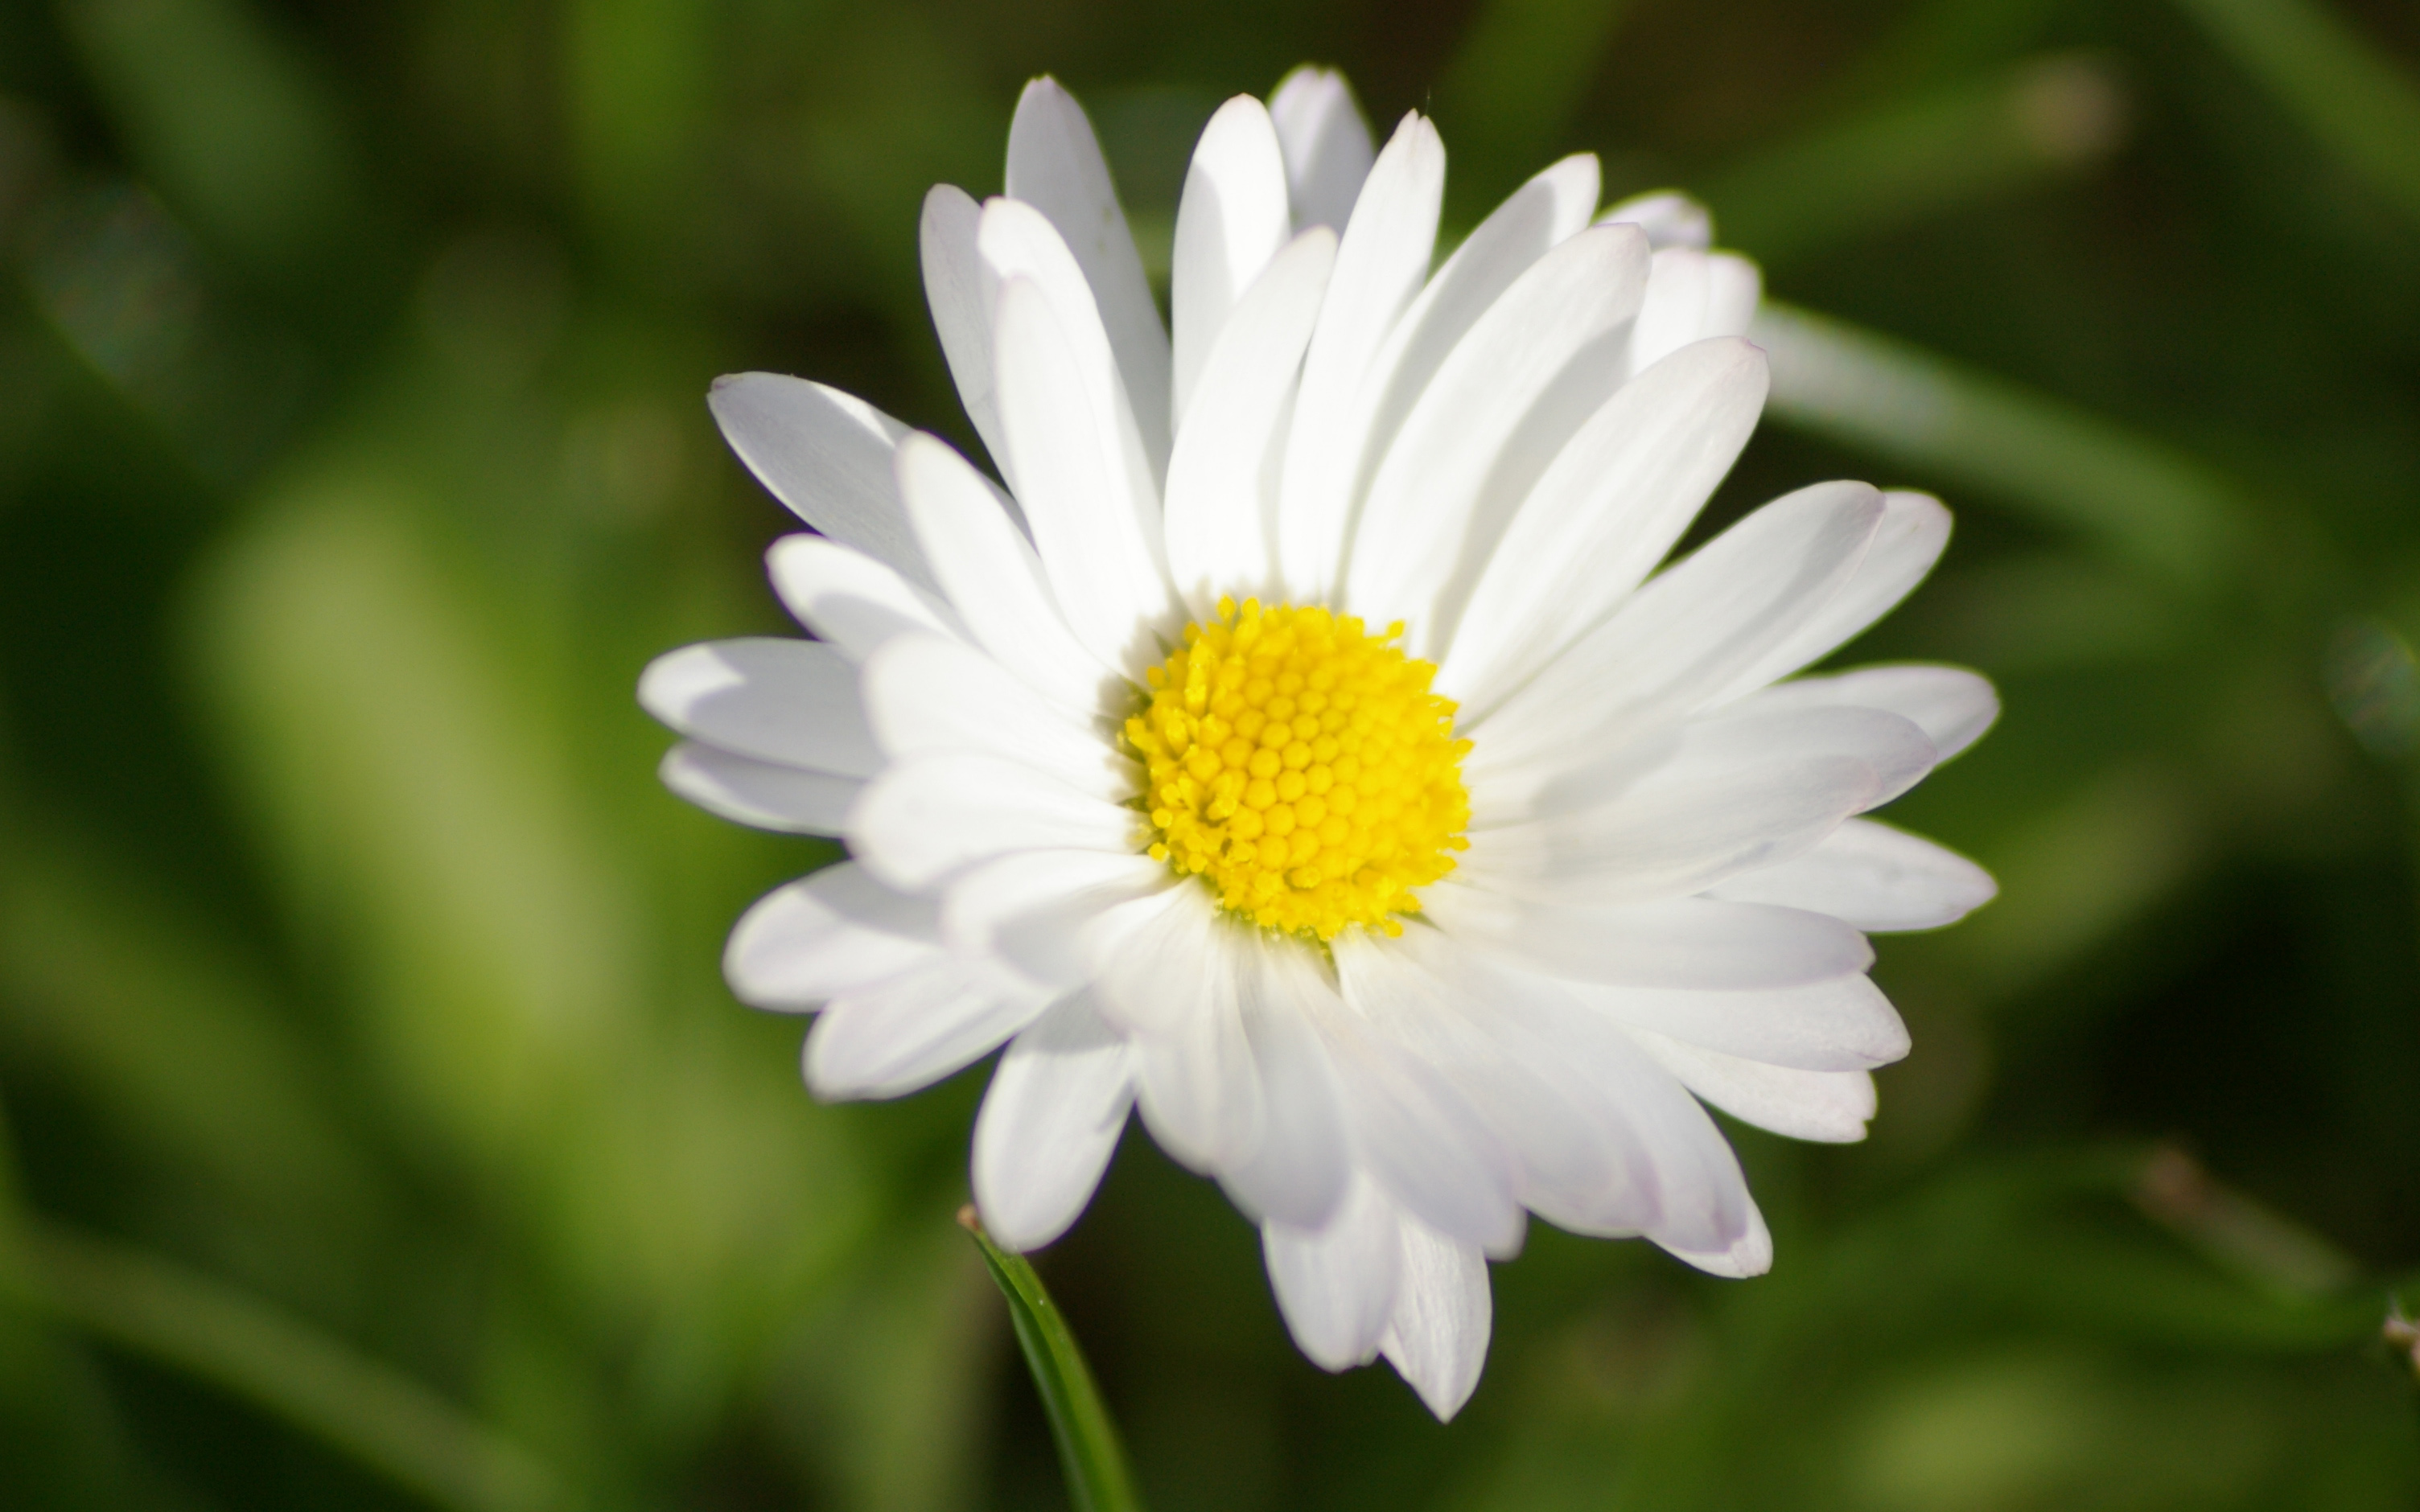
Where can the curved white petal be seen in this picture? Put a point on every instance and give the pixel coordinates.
(1670, 648)
(993, 579)
(1908, 540)
(763, 795)
(1541, 216)
(792, 702)
(835, 931)
(1693, 943)
(1221, 480)
(1098, 541)
(1750, 1254)
(1730, 796)
(1872, 876)
(1297, 1172)
(849, 598)
(1670, 218)
(961, 290)
(1336, 1284)
(1422, 993)
(1030, 909)
(1326, 145)
(1055, 164)
(1845, 1024)
(1951, 706)
(924, 819)
(926, 696)
(1231, 220)
(1544, 356)
(1166, 969)
(1605, 512)
(1437, 1337)
(1380, 261)
(1831, 1106)
(1692, 296)
(912, 1030)
(1049, 1123)
(827, 455)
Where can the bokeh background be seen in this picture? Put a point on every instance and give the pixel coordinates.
(380, 1135)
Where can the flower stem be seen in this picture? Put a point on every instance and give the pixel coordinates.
(1097, 1478)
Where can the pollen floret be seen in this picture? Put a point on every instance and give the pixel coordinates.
(1301, 767)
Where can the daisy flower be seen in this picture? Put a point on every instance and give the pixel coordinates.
(1298, 745)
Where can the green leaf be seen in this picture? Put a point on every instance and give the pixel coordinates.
(1097, 1478)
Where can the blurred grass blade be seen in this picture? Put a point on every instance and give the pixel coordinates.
(1097, 1478)
(2134, 496)
(1921, 156)
(2343, 90)
(379, 1416)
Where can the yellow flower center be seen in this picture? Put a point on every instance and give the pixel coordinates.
(1301, 767)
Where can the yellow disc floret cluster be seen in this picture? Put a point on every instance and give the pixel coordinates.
(1301, 767)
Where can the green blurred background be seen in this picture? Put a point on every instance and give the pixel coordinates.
(380, 1135)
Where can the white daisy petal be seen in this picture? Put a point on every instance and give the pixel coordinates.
(1827, 1105)
(1544, 356)
(1326, 145)
(1297, 1172)
(1437, 1337)
(924, 819)
(1605, 511)
(1104, 566)
(1693, 942)
(1547, 211)
(1422, 993)
(1050, 1122)
(849, 598)
(1019, 243)
(926, 696)
(1909, 538)
(1749, 1255)
(1028, 910)
(827, 455)
(1951, 706)
(836, 931)
(1692, 296)
(1701, 1204)
(1055, 164)
(1733, 796)
(1843, 1023)
(1380, 261)
(1872, 876)
(1229, 222)
(1167, 971)
(1670, 218)
(992, 576)
(793, 702)
(910, 1031)
(1421, 1140)
(762, 794)
(1221, 483)
(1336, 1284)
(961, 291)
(1675, 643)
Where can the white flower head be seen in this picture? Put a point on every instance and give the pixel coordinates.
(1304, 748)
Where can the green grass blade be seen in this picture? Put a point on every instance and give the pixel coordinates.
(1097, 1478)
(2349, 96)
(2134, 496)
(379, 1416)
